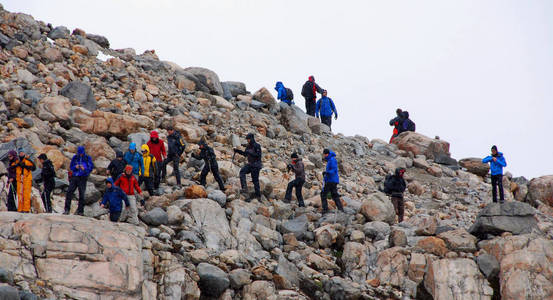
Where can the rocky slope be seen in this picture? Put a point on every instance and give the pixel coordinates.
(60, 89)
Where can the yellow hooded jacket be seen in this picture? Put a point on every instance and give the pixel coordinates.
(149, 162)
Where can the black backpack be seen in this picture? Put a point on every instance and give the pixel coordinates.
(388, 184)
(409, 125)
(289, 94)
(180, 143)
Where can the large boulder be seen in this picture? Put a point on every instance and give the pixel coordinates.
(99, 147)
(234, 88)
(514, 217)
(207, 78)
(264, 96)
(293, 119)
(541, 189)
(459, 240)
(475, 166)
(54, 109)
(106, 123)
(81, 92)
(211, 221)
(420, 144)
(213, 280)
(377, 207)
(297, 226)
(155, 217)
(60, 32)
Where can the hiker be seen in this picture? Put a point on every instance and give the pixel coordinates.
(13, 161)
(284, 94)
(309, 92)
(116, 166)
(406, 123)
(24, 177)
(113, 197)
(325, 108)
(157, 148)
(80, 167)
(176, 147)
(133, 158)
(253, 153)
(128, 183)
(394, 185)
(48, 175)
(149, 171)
(396, 122)
(297, 166)
(210, 164)
(331, 180)
(497, 163)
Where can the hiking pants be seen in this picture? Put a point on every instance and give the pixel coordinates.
(130, 214)
(298, 184)
(215, 171)
(399, 207)
(114, 216)
(80, 183)
(148, 182)
(159, 171)
(247, 169)
(176, 161)
(46, 199)
(497, 181)
(327, 121)
(12, 196)
(310, 106)
(331, 187)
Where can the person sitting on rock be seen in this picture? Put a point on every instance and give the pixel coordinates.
(116, 166)
(113, 198)
(24, 176)
(210, 164)
(176, 147)
(81, 166)
(133, 158)
(297, 166)
(396, 122)
(147, 175)
(325, 108)
(157, 148)
(283, 93)
(48, 175)
(309, 92)
(331, 181)
(254, 165)
(394, 185)
(13, 162)
(406, 123)
(128, 183)
(497, 163)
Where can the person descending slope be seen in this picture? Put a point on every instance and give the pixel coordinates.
(497, 163)
(309, 92)
(128, 183)
(253, 153)
(81, 166)
(331, 180)
(48, 175)
(113, 198)
(176, 147)
(13, 161)
(325, 108)
(24, 176)
(157, 148)
(284, 94)
(116, 166)
(394, 185)
(297, 166)
(210, 164)
(397, 122)
(147, 175)
(133, 158)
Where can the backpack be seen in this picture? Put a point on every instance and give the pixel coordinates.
(388, 184)
(307, 90)
(408, 125)
(289, 94)
(181, 144)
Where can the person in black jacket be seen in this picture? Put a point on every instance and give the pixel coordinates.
(397, 122)
(176, 148)
(210, 164)
(406, 123)
(116, 166)
(48, 174)
(253, 153)
(309, 92)
(395, 186)
(297, 166)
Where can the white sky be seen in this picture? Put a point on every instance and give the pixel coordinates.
(476, 73)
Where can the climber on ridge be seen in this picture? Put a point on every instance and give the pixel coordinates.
(396, 122)
(325, 108)
(253, 167)
(210, 164)
(309, 92)
(394, 185)
(331, 180)
(284, 94)
(297, 166)
(497, 163)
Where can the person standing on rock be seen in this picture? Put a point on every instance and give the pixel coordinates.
(133, 158)
(406, 124)
(148, 173)
(24, 176)
(253, 167)
(157, 148)
(48, 175)
(283, 93)
(113, 197)
(331, 181)
(394, 186)
(497, 163)
(128, 183)
(176, 147)
(309, 92)
(116, 166)
(13, 162)
(297, 166)
(210, 164)
(396, 122)
(81, 166)
(325, 108)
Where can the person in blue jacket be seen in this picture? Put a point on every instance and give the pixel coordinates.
(113, 197)
(282, 94)
(133, 158)
(331, 180)
(497, 163)
(81, 166)
(325, 108)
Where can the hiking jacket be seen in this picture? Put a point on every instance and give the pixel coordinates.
(149, 162)
(395, 185)
(208, 156)
(81, 159)
(310, 89)
(172, 144)
(135, 160)
(331, 172)
(157, 149)
(282, 94)
(325, 108)
(128, 184)
(298, 169)
(116, 167)
(24, 171)
(48, 174)
(253, 153)
(496, 167)
(114, 196)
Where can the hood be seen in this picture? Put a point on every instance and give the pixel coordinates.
(330, 155)
(118, 153)
(145, 148)
(132, 146)
(12, 153)
(312, 78)
(251, 137)
(110, 180)
(398, 170)
(279, 85)
(202, 143)
(405, 114)
(499, 154)
(154, 134)
(128, 168)
(80, 150)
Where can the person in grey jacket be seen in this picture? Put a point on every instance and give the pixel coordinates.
(297, 166)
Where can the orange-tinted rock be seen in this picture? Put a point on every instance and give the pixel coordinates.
(195, 192)
(433, 245)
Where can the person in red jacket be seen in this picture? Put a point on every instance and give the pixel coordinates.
(128, 183)
(157, 149)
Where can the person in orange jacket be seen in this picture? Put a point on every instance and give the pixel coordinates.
(24, 177)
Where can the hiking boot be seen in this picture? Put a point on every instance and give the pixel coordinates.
(325, 211)
(244, 191)
(65, 212)
(142, 202)
(79, 213)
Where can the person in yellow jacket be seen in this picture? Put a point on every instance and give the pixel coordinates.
(147, 175)
(24, 177)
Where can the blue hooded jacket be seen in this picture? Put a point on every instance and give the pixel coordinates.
(325, 107)
(282, 94)
(134, 159)
(114, 196)
(496, 167)
(81, 159)
(331, 168)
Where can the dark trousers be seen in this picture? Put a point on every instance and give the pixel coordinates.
(327, 121)
(148, 182)
(247, 169)
(332, 188)
(215, 171)
(80, 183)
(46, 199)
(114, 216)
(497, 181)
(159, 170)
(12, 196)
(175, 160)
(298, 184)
(399, 207)
(310, 106)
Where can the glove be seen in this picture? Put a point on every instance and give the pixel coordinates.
(336, 117)
(289, 167)
(324, 174)
(236, 150)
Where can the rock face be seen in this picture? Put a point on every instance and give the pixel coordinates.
(514, 217)
(208, 78)
(264, 96)
(475, 166)
(294, 119)
(378, 208)
(541, 189)
(80, 92)
(420, 144)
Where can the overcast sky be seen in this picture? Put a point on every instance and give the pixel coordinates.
(475, 73)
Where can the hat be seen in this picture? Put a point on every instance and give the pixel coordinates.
(132, 146)
(19, 150)
(109, 180)
(118, 153)
(494, 147)
(80, 150)
(154, 134)
(294, 155)
(43, 156)
(128, 168)
(249, 136)
(12, 153)
(326, 151)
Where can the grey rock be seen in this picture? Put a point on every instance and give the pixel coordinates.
(15, 144)
(397, 238)
(235, 140)
(6, 276)
(60, 32)
(154, 231)
(189, 236)
(239, 278)
(376, 230)
(8, 293)
(218, 196)
(91, 195)
(98, 39)
(155, 217)
(81, 92)
(4, 40)
(139, 138)
(293, 119)
(288, 271)
(257, 105)
(515, 217)
(235, 88)
(26, 295)
(444, 159)
(297, 226)
(207, 78)
(213, 280)
(489, 265)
